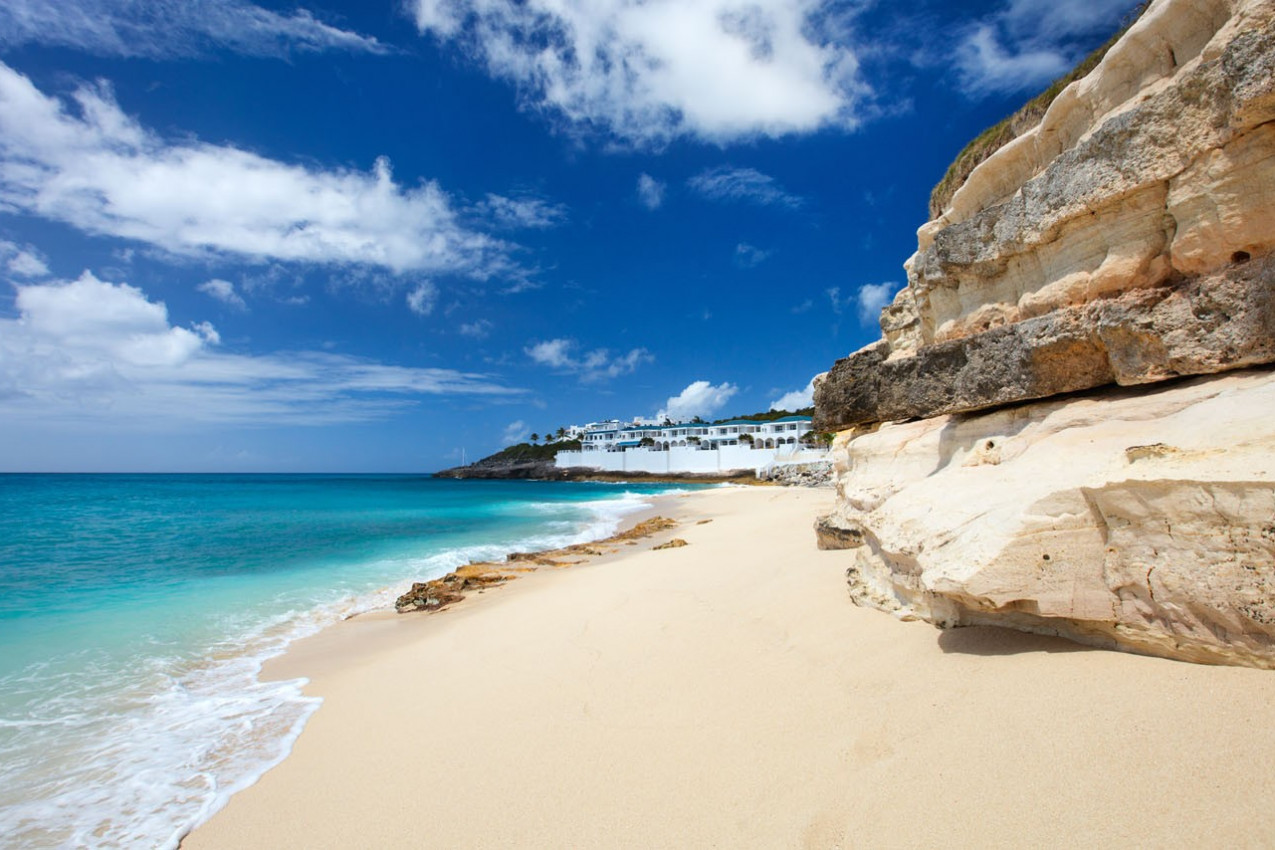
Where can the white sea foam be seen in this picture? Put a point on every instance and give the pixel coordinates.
(96, 755)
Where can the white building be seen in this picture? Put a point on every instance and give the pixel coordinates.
(693, 446)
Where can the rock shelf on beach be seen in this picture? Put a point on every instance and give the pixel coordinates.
(436, 594)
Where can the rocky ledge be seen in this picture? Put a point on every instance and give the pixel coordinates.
(439, 593)
(1025, 446)
(1129, 519)
(1123, 240)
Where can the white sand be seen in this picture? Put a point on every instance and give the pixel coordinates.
(728, 694)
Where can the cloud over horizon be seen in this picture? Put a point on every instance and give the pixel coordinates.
(716, 70)
(797, 399)
(92, 352)
(699, 398)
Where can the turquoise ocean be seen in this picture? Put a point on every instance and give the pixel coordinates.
(136, 611)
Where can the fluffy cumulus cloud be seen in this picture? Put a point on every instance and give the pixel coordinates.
(650, 192)
(646, 73)
(160, 29)
(700, 398)
(747, 185)
(94, 353)
(223, 291)
(1025, 44)
(98, 170)
(797, 399)
(596, 365)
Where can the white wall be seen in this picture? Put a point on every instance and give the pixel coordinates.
(686, 459)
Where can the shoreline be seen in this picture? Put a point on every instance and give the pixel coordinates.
(296, 662)
(729, 693)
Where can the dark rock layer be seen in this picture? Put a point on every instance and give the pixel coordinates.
(1204, 325)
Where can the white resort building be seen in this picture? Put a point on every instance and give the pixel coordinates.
(693, 446)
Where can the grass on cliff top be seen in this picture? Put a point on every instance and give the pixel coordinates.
(997, 136)
(528, 452)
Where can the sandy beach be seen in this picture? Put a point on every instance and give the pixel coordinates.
(729, 694)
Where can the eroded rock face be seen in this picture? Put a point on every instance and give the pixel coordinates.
(1141, 520)
(1208, 324)
(1084, 253)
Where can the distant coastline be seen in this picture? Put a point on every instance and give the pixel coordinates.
(495, 468)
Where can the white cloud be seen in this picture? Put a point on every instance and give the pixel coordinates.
(595, 365)
(515, 432)
(95, 353)
(725, 183)
(649, 72)
(748, 256)
(521, 213)
(650, 192)
(422, 299)
(223, 291)
(1026, 44)
(480, 329)
(872, 298)
(160, 29)
(102, 172)
(797, 399)
(22, 260)
(552, 353)
(698, 399)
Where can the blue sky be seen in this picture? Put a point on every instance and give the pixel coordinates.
(365, 236)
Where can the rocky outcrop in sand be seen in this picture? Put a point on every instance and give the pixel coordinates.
(1124, 242)
(1141, 520)
(1088, 250)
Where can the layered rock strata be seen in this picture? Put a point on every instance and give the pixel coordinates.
(1148, 184)
(1140, 520)
(1060, 473)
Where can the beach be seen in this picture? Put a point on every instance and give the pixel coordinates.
(728, 693)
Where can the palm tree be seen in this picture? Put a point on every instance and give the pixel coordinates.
(535, 437)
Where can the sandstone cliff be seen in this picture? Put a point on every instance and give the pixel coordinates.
(1120, 241)
(1125, 241)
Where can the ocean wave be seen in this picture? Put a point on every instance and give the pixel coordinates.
(95, 753)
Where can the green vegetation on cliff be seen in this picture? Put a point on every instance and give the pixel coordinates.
(523, 452)
(768, 416)
(997, 136)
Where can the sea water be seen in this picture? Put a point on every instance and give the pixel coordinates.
(136, 611)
